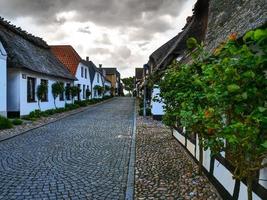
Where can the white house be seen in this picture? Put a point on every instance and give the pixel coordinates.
(79, 68)
(96, 79)
(3, 81)
(30, 62)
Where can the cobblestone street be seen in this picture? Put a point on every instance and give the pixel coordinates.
(163, 169)
(83, 156)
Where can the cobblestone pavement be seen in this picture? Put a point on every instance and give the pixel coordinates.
(29, 125)
(163, 169)
(83, 156)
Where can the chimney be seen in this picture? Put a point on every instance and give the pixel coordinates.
(100, 65)
(87, 58)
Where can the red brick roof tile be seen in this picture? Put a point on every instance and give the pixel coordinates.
(68, 56)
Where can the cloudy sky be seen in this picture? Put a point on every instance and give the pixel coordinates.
(116, 33)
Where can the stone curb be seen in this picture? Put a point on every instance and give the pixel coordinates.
(56, 119)
(131, 167)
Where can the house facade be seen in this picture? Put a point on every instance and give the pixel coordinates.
(114, 77)
(3, 81)
(71, 59)
(29, 63)
(97, 79)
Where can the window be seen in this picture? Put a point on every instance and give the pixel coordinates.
(95, 93)
(67, 92)
(85, 73)
(45, 95)
(81, 71)
(98, 78)
(79, 94)
(61, 96)
(84, 95)
(31, 89)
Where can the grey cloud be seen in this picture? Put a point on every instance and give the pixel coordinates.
(103, 40)
(144, 14)
(85, 30)
(96, 51)
(123, 51)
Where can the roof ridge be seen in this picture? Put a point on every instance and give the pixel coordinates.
(23, 33)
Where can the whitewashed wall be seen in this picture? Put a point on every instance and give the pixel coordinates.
(17, 92)
(95, 82)
(3, 81)
(157, 107)
(82, 80)
(220, 172)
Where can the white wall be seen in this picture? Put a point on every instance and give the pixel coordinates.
(157, 107)
(13, 90)
(17, 92)
(97, 82)
(82, 80)
(3, 81)
(221, 173)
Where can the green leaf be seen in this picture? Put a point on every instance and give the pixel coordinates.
(248, 35)
(262, 109)
(245, 95)
(259, 34)
(249, 74)
(191, 43)
(264, 144)
(233, 88)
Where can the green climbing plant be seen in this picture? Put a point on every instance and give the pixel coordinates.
(222, 97)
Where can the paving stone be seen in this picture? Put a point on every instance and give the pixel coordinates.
(82, 156)
(163, 169)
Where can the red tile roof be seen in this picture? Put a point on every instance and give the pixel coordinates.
(68, 56)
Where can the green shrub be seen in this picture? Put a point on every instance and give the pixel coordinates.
(5, 123)
(35, 114)
(81, 103)
(17, 122)
(60, 110)
(48, 112)
(106, 97)
(71, 106)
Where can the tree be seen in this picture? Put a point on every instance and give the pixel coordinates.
(99, 89)
(41, 91)
(128, 84)
(74, 91)
(57, 89)
(87, 93)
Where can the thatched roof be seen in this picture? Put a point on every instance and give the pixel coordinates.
(195, 27)
(212, 22)
(228, 16)
(29, 52)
